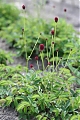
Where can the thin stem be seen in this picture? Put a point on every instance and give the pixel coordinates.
(55, 32)
(33, 48)
(41, 54)
(58, 64)
(38, 64)
(53, 53)
(47, 51)
(50, 49)
(25, 45)
(46, 67)
(57, 60)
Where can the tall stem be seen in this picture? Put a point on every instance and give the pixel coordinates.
(25, 44)
(37, 64)
(41, 54)
(57, 60)
(53, 52)
(47, 51)
(33, 48)
(58, 64)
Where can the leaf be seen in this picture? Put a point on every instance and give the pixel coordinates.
(35, 96)
(44, 118)
(6, 82)
(39, 117)
(8, 100)
(75, 117)
(67, 71)
(22, 105)
(2, 101)
(19, 98)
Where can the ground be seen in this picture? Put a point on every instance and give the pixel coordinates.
(51, 9)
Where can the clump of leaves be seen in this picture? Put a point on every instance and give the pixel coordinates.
(5, 57)
(35, 26)
(7, 16)
(38, 96)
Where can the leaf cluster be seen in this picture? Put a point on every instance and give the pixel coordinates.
(5, 57)
(39, 95)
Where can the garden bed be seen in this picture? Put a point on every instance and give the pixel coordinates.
(39, 99)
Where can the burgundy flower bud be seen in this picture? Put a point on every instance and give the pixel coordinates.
(41, 47)
(36, 58)
(52, 32)
(49, 63)
(52, 42)
(23, 6)
(56, 19)
(65, 10)
(31, 65)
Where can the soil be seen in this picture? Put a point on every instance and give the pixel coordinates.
(8, 114)
(51, 9)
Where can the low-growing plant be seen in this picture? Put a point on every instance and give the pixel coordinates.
(8, 14)
(46, 94)
(35, 27)
(5, 57)
(39, 95)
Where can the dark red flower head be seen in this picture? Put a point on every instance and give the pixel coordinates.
(52, 32)
(56, 19)
(36, 58)
(23, 6)
(65, 10)
(31, 65)
(41, 47)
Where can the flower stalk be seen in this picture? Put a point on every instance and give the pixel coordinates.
(41, 54)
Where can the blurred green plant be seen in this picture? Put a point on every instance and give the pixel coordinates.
(5, 57)
(8, 14)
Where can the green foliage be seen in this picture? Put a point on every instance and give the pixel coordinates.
(38, 96)
(64, 34)
(8, 14)
(5, 57)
